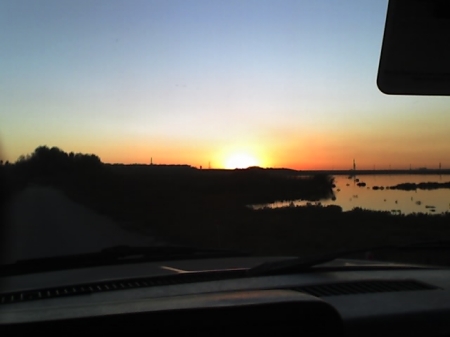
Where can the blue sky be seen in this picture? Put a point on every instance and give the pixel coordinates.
(291, 83)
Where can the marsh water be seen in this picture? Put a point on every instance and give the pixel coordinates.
(349, 195)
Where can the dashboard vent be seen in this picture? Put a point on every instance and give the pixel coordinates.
(86, 289)
(363, 287)
(324, 290)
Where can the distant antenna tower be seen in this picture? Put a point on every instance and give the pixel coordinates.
(354, 165)
(151, 161)
(440, 166)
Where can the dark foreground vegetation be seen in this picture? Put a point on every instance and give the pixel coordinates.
(208, 208)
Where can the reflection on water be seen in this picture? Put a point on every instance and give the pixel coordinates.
(349, 194)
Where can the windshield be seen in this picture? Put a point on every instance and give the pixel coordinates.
(252, 125)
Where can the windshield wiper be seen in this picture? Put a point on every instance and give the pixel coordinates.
(300, 264)
(113, 256)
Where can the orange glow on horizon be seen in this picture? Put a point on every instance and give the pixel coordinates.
(298, 153)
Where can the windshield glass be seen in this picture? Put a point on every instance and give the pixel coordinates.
(252, 125)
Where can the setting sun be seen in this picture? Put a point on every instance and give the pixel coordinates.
(241, 160)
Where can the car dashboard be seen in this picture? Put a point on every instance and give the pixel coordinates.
(344, 298)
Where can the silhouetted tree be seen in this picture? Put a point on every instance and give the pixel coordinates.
(49, 165)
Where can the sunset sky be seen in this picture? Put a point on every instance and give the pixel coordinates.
(279, 83)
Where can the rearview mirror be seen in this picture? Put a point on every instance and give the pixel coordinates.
(415, 55)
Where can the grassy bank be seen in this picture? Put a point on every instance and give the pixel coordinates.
(314, 230)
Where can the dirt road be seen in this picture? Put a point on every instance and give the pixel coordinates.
(43, 222)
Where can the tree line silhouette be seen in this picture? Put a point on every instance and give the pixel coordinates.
(255, 185)
(51, 166)
(48, 161)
